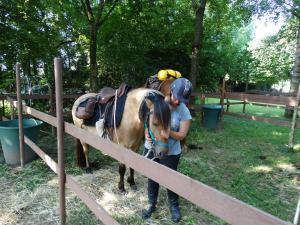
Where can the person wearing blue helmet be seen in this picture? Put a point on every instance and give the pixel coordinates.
(181, 89)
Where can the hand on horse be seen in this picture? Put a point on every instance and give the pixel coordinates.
(147, 136)
(163, 133)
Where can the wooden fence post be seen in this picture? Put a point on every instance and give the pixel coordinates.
(1, 114)
(202, 102)
(222, 104)
(12, 111)
(297, 213)
(293, 123)
(244, 106)
(228, 104)
(20, 116)
(52, 108)
(3, 107)
(60, 138)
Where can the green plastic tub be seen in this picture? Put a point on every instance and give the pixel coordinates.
(9, 137)
(211, 115)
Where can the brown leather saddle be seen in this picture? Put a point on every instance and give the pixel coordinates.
(105, 98)
(107, 93)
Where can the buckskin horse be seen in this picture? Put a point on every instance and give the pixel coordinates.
(144, 108)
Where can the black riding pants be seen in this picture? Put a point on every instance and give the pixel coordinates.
(170, 161)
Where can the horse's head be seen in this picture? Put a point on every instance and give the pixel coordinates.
(155, 113)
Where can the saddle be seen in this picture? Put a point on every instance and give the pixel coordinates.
(101, 106)
(107, 93)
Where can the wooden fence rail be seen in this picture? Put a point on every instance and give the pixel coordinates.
(251, 99)
(37, 96)
(277, 100)
(261, 119)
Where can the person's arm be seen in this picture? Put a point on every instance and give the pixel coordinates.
(183, 130)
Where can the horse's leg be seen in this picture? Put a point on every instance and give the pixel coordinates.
(80, 157)
(86, 154)
(122, 170)
(130, 180)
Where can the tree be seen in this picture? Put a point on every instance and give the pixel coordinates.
(199, 10)
(30, 35)
(95, 17)
(288, 9)
(271, 62)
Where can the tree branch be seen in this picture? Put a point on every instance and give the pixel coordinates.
(84, 8)
(99, 12)
(194, 5)
(65, 42)
(108, 14)
(89, 11)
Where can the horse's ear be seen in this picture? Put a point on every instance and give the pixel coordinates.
(144, 109)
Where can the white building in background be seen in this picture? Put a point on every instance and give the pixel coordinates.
(282, 86)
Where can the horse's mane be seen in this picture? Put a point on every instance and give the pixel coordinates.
(161, 108)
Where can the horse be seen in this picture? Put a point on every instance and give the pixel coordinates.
(143, 108)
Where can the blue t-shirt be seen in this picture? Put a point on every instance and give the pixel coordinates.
(178, 114)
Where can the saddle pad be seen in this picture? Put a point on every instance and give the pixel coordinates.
(109, 116)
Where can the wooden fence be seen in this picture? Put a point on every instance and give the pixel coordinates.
(217, 203)
(251, 99)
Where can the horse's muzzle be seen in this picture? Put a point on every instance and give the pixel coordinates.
(161, 151)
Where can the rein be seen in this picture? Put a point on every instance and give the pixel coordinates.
(115, 109)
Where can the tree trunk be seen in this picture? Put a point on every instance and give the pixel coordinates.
(95, 20)
(93, 58)
(246, 86)
(197, 42)
(295, 77)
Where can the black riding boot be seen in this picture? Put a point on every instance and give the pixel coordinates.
(152, 199)
(174, 206)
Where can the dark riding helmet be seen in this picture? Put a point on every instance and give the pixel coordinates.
(181, 88)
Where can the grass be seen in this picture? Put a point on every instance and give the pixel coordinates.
(247, 160)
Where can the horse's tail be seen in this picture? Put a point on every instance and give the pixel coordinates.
(80, 157)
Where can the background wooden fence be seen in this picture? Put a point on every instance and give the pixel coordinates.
(251, 99)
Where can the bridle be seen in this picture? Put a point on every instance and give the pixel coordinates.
(154, 140)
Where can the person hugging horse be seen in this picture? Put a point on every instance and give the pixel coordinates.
(181, 89)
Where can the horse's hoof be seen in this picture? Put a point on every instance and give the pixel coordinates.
(88, 170)
(130, 181)
(122, 191)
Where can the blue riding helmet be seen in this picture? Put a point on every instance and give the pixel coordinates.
(181, 88)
